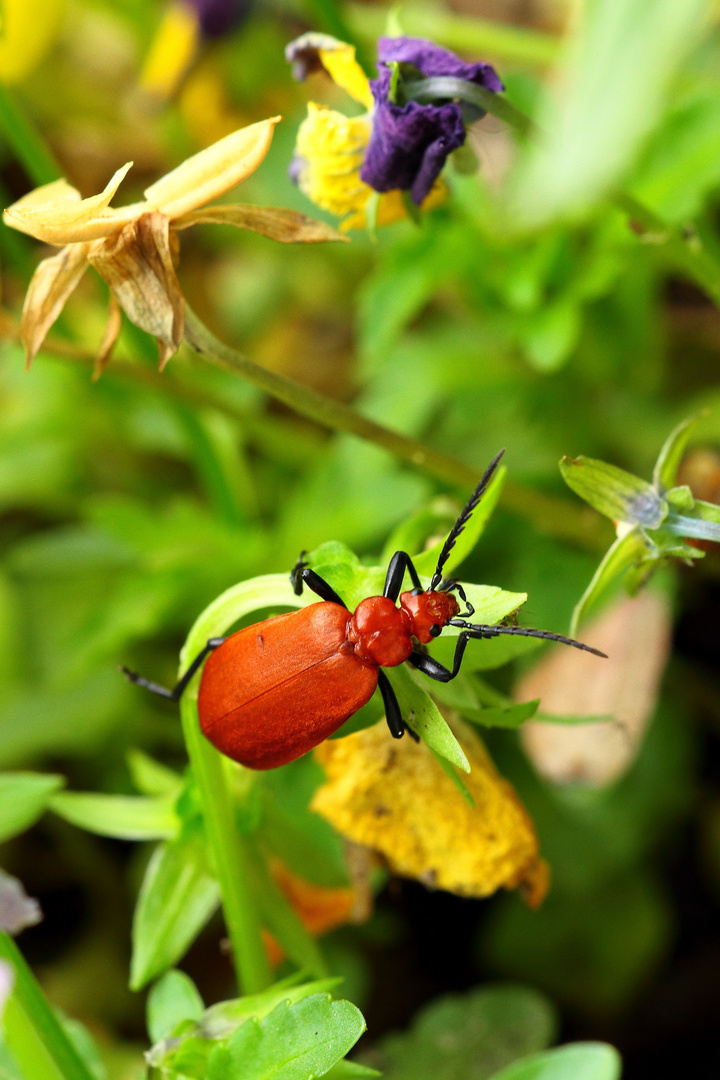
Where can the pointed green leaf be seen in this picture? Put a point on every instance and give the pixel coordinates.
(24, 797)
(221, 1020)
(457, 780)
(350, 1070)
(177, 897)
(626, 550)
(294, 1042)
(510, 716)
(427, 561)
(576, 1061)
(422, 714)
(672, 451)
(613, 492)
(680, 499)
(150, 777)
(124, 817)
(171, 1000)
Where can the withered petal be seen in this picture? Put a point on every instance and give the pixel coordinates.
(138, 266)
(50, 286)
(57, 218)
(275, 223)
(213, 171)
(112, 332)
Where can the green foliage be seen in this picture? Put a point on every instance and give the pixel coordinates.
(23, 798)
(469, 1036)
(647, 516)
(577, 1061)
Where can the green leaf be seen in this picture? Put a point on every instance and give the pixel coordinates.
(615, 493)
(24, 797)
(576, 1061)
(221, 1020)
(422, 714)
(173, 999)
(680, 498)
(510, 716)
(626, 551)
(457, 780)
(426, 562)
(350, 1070)
(468, 1035)
(671, 454)
(177, 897)
(294, 1042)
(150, 777)
(124, 817)
(620, 64)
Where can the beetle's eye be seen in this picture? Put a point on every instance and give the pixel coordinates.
(435, 630)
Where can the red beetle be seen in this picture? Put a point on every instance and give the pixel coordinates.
(274, 690)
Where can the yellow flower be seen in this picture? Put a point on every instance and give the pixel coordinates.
(395, 798)
(331, 146)
(28, 29)
(135, 248)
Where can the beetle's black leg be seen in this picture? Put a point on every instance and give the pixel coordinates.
(433, 668)
(395, 722)
(303, 575)
(175, 693)
(295, 578)
(399, 563)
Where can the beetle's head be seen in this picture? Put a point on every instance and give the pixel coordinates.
(428, 612)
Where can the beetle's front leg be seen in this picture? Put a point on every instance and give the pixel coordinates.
(302, 575)
(433, 668)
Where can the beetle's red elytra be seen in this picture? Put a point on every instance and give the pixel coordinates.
(274, 690)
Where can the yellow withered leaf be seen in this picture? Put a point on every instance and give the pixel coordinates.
(53, 281)
(273, 222)
(395, 798)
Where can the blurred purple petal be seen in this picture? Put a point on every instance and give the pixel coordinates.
(218, 17)
(409, 143)
(431, 59)
(17, 909)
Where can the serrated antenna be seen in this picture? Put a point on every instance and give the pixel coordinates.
(478, 630)
(462, 521)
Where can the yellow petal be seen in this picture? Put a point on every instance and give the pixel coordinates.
(273, 222)
(344, 70)
(51, 284)
(53, 215)
(395, 798)
(29, 29)
(57, 193)
(171, 52)
(312, 50)
(138, 266)
(213, 171)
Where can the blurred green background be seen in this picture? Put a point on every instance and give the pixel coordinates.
(526, 313)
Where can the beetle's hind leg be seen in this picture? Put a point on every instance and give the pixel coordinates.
(176, 692)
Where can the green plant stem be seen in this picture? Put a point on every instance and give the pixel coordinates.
(25, 141)
(241, 918)
(32, 1031)
(556, 516)
(497, 40)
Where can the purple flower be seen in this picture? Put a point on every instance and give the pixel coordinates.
(218, 17)
(410, 143)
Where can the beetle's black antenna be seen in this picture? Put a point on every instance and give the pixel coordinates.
(475, 630)
(463, 520)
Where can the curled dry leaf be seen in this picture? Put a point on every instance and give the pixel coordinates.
(635, 634)
(395, 798)
(17, 909)
(274, 222)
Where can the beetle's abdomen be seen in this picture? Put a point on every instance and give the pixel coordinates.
(275, 690)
